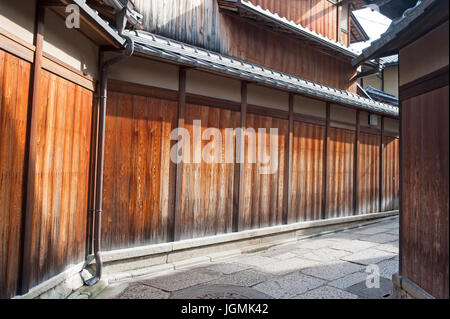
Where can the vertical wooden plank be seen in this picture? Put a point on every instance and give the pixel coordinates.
(356, 166)
(288, 162)
(31, 147)
(179, 169)
(238, 190)
(380, 202)
(324, 163)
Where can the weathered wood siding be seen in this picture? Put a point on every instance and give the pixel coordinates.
(14, 84)
(390, 174)
(199, 22)
(340, 172)
(307, 172)
(62, 169)
(207, 205)
(263, 193)
(369, 173)
(137, 170)
(317, 15)
(425, 194)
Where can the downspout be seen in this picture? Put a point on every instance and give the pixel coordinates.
(100, 159)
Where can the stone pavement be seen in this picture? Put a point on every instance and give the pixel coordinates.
(326, 266)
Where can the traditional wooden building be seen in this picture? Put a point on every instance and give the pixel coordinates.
(420, 37)
(87, 114)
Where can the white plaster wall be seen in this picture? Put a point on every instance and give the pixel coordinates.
(307, 106)
(342, 114)
(425, 55)
(267, 97)
(391, 125)
(211, 85)
(69, 45)
(145, 72)
(17, 17)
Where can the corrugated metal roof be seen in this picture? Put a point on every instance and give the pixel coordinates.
(297, 28)
(161, 47)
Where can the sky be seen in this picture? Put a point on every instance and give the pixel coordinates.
(373, 22)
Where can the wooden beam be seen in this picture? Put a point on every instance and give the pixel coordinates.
(178, 183)
(238, 192)
(356, 166)
(288, 163)
(381, 164)
(324, 163)
(30, 147)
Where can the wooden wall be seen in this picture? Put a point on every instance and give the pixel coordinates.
(317, 15)
(62, 169)
(14, 85)
(137, 169)
(61, 174)
(207, 190)
(369, 173)
(390, 175)
(307, 172)
(340, 172)
(424, 233)
(263, 193)
(199, 22)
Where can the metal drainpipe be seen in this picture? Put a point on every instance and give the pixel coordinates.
(100, 160)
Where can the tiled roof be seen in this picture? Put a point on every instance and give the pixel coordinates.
(161, 47)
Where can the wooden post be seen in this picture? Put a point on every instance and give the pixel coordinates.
(30, 147)
(324, 164)
(179, 166)
(380, 202)
(288, 162)
(238, 192)
(356, 166)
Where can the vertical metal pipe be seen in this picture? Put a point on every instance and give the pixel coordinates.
(101, 160)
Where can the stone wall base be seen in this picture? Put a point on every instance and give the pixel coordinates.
(406, 289)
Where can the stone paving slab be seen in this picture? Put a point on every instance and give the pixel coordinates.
(379, 238)
(287, 266)
(333, 270)
(327, 292)
(369, 256)
(353, 245)
(349, 280)
(326, 254)
(369, 230)
(182, 279)
(391, 247)
(289, 286)
(388, 268)
(248, 278)
(140, 291)
(228, 268)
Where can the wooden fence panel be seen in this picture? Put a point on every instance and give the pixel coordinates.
(62, 169)
(14, 86)
(368, 175)
(390, 175)
(307, 170)
(137, 170)
(424, 214)
(207, 191)
(263, 193)
(340, 173)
